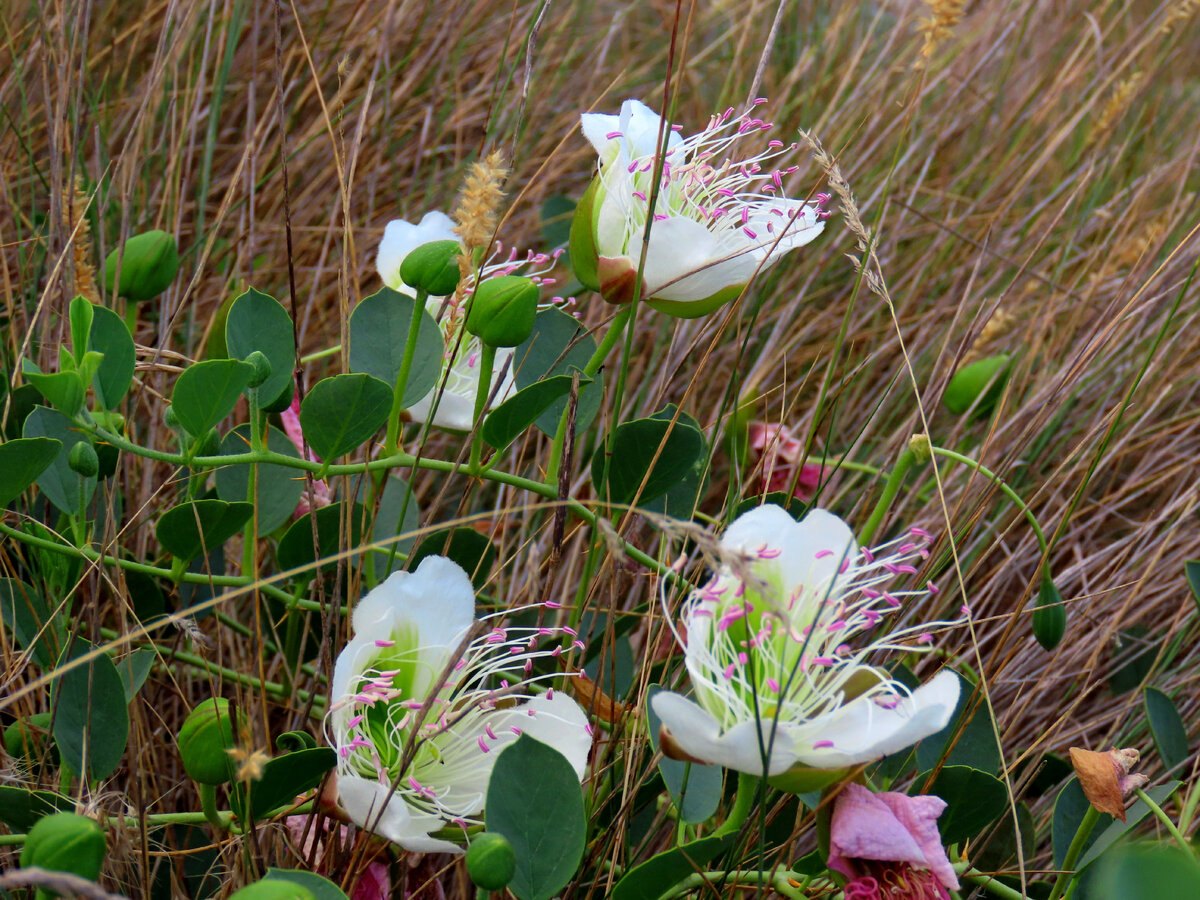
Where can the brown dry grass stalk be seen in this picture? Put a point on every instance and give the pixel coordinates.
(979, 180)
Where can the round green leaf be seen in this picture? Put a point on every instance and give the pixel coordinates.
(91, 721)
(279, 487)
(534, 799)
(22, 461)
(61, 485)
(198, 527)
(31, 620)
(321, 888)
(207, 392)
(379, 334)
(974, 801)
(342, 412)
(1146, 870)
(296, 550)
(635, 446)
(657, 875)
(283, 778)
(398, 515)
(508, 420)
(109, 336)
(257, 321)
(557, 344)
(680, 500)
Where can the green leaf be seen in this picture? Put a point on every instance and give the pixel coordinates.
(1143, 870)
(680, 500)
(966, 740)
(657, 875)
(21, 462)
(974, 801)
(388, 523)
(32, 621)
(80, 315)
(291, 741)
(1133, 656)
(91, 722)
(59, 482)
(379, 334)
(110, 336)
(667, 452)
(534, 799)
(206, 393)
(695, 789)
(198, 527)
(133, 668)
(1117, 829)
(1191, 568)
(342, 412)
(1170, 735)
(466, 546)
(257, 321)
(279, 487)
(296, 550)
(283, 778)
(1069, 809)
(557, 344)
(20, 809)
(62, 390)
(321, 888)
(510, 419)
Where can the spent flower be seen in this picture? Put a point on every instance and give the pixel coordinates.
(776, 648)
(719, 215)
(454, 395)
(425, 697)
(776, 453)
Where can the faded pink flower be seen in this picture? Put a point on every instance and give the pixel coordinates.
(776, 452)
(374, 882)
(291, 427)
(888, 845)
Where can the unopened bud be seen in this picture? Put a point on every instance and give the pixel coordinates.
(262, 367)
(432, 268)
(206, 736)
(65, 842)
(502, 310)
(920, 447)
(977, 384)
(491, 861)
(83, 460)
(149, 263)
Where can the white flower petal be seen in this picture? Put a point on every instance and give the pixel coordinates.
(810, 551)
(400, 238)
(804, 228)
(686, 262)
(373, 806)
(863, 731)
(596, 128)
(456, 408)
(699, 735)
(437, 600)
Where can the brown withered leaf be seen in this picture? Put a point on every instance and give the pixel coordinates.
(593, 699)
(1098, 776)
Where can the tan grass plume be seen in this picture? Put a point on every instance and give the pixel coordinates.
(75, 220)
(935, 28)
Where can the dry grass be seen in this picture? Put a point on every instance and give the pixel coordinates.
(1030, 188)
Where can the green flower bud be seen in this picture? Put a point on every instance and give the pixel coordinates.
(83, 460)
(65, 842)
(433, 268)
(149, 263)
(1049, 616)
(502, 310)
(491, 861)
(262, 367)
(274, 889)
(27, 739)
(979, 383)
(207, 733)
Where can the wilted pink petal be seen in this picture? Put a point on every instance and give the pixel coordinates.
(375, 884)
(291, 427)
(889, 843)
(776, 454)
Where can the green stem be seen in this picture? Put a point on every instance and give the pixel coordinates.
(487, 359)
(890, 488)
(1090, 818)
(410, 346)
(1166, 821)
(1004, 489)
(780, 881)
(208, 803)
(747, 791)
(990, 884)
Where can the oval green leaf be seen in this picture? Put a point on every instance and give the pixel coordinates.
(109, 336)
(658, 875)
(342, 412)
(31, 620)
(206, 393)
(1166, 725)
(296, 550)
(379, 334)
(534, 799)
(283, 778)
(653, 451)
(320, 887)
(974, 801)
(62, 486)
(22, 461)
(257, 321)
(198, 527)
(279, 488)
(91, 721)
(510, 419)
(558, 344)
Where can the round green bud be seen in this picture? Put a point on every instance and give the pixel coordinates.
(502, 310)
(83, 460)
(65, 842)
(1049, 616)
(977, 384)
(207, 734)
(27, 738)
(262, 367)
(149, 263)
(433, 268)
(273, 889)
(491, 861)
